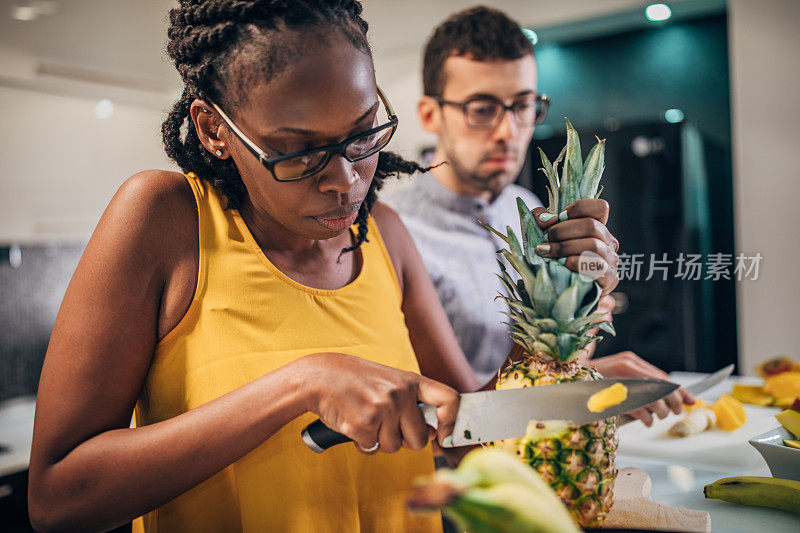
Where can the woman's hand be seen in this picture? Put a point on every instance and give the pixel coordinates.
(377, 404)
(580, 228)
(630, 365)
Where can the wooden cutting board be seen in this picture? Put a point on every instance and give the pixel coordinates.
(633, 509)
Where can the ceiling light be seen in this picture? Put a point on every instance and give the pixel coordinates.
(673, 115)
(104, 109)
(25, 13)
(658, 12)
(531, 35)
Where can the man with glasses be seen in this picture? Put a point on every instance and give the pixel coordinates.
(481, 100)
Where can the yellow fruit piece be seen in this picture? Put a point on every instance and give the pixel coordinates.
(792, 443)
(697, 404)
(784, 402)
(608, 397)
(753, 394)
(729, 412)
(790, 419)
(784, 385)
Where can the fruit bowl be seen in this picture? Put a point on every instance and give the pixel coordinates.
(783, 461)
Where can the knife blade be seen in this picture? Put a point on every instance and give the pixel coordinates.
(713, 379)
(695, 388)
(486, 416)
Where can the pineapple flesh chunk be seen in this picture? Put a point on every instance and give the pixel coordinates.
(790, 420)
(608, 397)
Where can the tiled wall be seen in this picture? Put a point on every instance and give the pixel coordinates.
(33, 280)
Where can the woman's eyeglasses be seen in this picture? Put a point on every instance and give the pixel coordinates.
(486, 112)
(305, 163)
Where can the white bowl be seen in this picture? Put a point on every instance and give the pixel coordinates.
(783, 461)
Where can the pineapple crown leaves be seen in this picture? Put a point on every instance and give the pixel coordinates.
(550, 307)
(578, 179)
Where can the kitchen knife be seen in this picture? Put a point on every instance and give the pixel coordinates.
(713, 379)
(487, 416)
(695, 388)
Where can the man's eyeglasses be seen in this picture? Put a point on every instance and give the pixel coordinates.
(305, 163)
(486, 112)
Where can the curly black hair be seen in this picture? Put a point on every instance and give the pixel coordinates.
(481, 33)
(220, 47)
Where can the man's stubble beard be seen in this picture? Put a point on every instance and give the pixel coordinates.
(492, 183)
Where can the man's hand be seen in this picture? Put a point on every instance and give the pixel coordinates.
(630, 365)
(581, 227)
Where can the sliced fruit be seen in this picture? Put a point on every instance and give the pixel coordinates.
(784, 385)
(729, 412)
(786, 403)
(546, 429)
(753, 394)
(790, 420)
(697, 404)
(792, 443)
(775, 366)
(608, 397)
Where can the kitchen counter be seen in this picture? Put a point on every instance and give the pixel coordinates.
(680, 468)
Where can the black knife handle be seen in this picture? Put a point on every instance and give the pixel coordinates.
(320, 437)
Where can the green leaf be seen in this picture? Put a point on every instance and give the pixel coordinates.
(546, 324)
(507, 285)
(593, 170)
(565, 306)
(544, 294)
(549, 339)
(599, 192)
(524, 271)
(577, 326)
(513, 243)
(608, 327)
(531, 233)
(572, 172)
(537, 346)
(535, 238)
(592, 304)
(583, 286)
(560, 275)
(487, 226)
(566, 345)
(552, 179)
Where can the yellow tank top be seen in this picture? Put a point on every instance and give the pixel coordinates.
(246, 319)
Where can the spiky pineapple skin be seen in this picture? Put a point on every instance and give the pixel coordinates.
(580, 463)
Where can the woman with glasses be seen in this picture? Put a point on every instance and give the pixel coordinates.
(235, 304)
(230, 306)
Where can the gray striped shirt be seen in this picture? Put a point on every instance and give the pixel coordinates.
(460, 256)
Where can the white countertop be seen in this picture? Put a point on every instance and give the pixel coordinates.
(680, 468)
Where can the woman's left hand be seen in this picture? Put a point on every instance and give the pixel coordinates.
(579, 228)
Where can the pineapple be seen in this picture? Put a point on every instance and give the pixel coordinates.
(551, 311)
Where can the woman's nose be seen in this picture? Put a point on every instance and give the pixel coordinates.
(338, 176)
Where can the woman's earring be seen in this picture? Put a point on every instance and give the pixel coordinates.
(218, 152)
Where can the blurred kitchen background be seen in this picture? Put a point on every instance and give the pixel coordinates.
(700, 110)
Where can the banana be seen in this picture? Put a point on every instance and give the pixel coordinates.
(493, 492)
(759, 491)
(508, 508)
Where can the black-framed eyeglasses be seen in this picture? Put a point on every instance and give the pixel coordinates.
(484, 112)
(305, 163)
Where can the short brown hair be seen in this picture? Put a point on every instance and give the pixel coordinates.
(480, 32)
